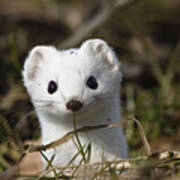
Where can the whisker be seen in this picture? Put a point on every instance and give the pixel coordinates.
(46, 101)
(44, 105)
(107, 95)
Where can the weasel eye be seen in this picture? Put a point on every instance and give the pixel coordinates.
(52, 87)
(92, 83)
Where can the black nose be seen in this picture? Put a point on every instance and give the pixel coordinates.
(74, 105)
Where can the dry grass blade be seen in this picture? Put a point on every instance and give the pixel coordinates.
(66, 137)
(131, 168)
(143, 137)
(69, 135)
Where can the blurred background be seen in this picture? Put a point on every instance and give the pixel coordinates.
(145, 35)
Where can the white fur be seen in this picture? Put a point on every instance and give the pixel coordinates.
(71, 71)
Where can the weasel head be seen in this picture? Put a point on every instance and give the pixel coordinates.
(75, 80)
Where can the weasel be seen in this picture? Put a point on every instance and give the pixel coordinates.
(84, 82)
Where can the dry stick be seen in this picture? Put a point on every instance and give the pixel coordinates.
(65, 138)
(33, 148)
(119, 164)
(90, 26)
(99, 165)
(69, 135)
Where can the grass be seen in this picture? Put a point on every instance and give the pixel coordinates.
(157, 106)
(141, 166)
(151, 106)
(154, 108)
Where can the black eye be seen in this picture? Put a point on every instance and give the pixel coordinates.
(92, 83)
(52, 87)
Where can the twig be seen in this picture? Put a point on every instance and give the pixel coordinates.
(131, 168)
(33, 148)
(69, 135)
(86, 29)
(120, 163)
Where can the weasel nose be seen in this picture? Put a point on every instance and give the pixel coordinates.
(74, 105)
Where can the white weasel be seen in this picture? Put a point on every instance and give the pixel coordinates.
(84, 81)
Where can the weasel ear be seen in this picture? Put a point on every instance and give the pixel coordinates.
(102, 51)
(34, 60)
